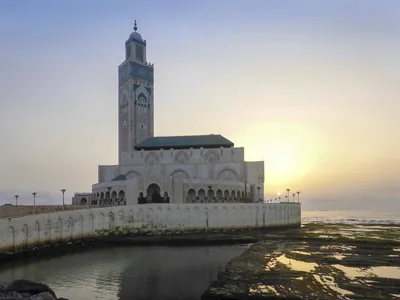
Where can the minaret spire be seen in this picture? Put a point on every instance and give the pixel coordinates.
(135, 27)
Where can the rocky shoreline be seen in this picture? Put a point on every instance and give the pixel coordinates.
(25, 289)
(318, 261)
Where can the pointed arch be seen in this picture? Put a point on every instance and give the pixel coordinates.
(179, 173)
(228, 174)
(191, 196)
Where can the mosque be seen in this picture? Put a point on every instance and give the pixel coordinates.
(167, 169)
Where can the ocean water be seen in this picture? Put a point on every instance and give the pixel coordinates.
(351, 217)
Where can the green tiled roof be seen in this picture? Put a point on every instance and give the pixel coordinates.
(184, 142)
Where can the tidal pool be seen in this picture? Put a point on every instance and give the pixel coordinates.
(129, 273)
(302, 264)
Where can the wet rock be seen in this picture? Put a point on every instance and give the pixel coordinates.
(296, 265)
(10, 295)
(3, 286)
(27, 286)
(42, 296)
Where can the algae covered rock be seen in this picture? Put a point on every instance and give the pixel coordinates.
(42, 296)
(10, 295)
(3, 286)
(27, 287)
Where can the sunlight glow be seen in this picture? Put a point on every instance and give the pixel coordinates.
(290, 151)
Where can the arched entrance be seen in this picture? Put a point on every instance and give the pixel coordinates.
(153, 194)
(166, 197)
(114, 199)
(121, 197)
(226, 196)
(141, 198)
(191, 196)
(219, 196)
(83, 201)
(210, 196)
(202, 195)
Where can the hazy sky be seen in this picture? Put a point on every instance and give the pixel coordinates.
(310, 87)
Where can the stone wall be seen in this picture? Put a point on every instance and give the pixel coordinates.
(191, 156)
(25, 210)
(63, 226)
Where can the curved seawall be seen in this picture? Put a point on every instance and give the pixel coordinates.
(63, 226)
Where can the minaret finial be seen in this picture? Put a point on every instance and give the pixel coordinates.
(135, 27)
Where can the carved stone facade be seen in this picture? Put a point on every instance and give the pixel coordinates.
(152, 158)
(186, 176)
(191, 169)
(181, 157)
(136, 102)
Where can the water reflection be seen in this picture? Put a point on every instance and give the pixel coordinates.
(130, 273)
(295, 265)
(382, 271)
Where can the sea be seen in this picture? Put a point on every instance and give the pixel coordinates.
(351, 217)
(156, 272)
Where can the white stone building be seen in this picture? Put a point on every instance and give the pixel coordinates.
(172, 169)
(82, 199)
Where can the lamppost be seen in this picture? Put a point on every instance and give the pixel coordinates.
(294, 199)
(276, 199)
(286, 196)
(63, 191)
(109, 193)
(34, 198)
(258, 188)
(16, 200)
(288, 190)
(298, 196)
(279, 198)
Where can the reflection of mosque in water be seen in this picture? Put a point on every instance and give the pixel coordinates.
(129, 273)
(179, 273)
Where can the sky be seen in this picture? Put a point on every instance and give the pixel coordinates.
(310, 87)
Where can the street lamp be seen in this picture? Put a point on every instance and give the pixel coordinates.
(298, 196)
(294, 199)
(16, 200)
(286, 196)
(63, 191)
(288, 190)
(34, 198)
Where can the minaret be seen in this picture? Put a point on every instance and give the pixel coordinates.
(136, 99)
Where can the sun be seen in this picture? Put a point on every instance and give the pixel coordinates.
(290, 150)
